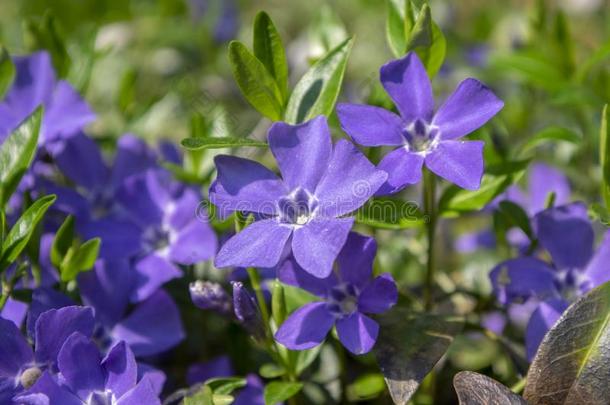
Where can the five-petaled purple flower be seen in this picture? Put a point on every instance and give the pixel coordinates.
(35, 84)
(88, 378)
(346, 296)
(305, 211)
(566, 233)
(423, 136)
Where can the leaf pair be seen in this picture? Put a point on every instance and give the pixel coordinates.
(408, 30)
(68, 255)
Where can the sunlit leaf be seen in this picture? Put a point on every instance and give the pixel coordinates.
(269, 50)
(391, 213)
(279, 391)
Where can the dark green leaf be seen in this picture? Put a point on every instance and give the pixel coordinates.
(16, 154)
(219, 143)
(271, 371)
(428, 41)
(516, 216)
(604, 155)
(7, 71)
(82, 258)
(256, 83)
(551, 134)
(367, 386)
(64, 237)
(279, 391)
(20, 233)
(391, 213)
(408, 347)
(269, 50)
(317, 91)
(477, 389)
(572, 364)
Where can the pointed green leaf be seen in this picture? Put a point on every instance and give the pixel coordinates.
(428, 41)
(317, 91)
(279, 391)
(516, 216)
(604, 155)
(278, 303)
(270, 370)
(408, 347)
(62, 241)
(82, 259)
(255, 82)
(572, 364)
(16, 154)
(367, 386)
(20, 233)
(395, 26)
(219, 143)
(269, 50)
(474, 388)
(7, 71)
(225, 385)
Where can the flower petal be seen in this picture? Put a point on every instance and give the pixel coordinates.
(306, 327)
(245, 185)
(403, 168)
(302, 151)
(407, 82)
(597, 269)
(357, 332)
(79, 363)
(259, 245)
(44, 299)
(143, 393)
(292, 274)
(121, 369)
(121, 239)
(378, 296)
(152, 271)
(81, 161)
(54, 326)
(543, 319)
(470, 106)
(67, 112)
(458, 162)
(355, 261)
(133, 156)
(543, 180)
(522, 278)
(217, 367)
(14, 311)
(567, 234)
(153, 327)
(315, 246)
(14, 350)
(46, 391)
(371, 126)
(194, 243)
(349, 182)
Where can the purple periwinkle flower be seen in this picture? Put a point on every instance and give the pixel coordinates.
(422, 135)
(304, 212)
(346, 296)
(567, 235)
(88, 378)
(20, 366)
(210, 296)
(36, 84)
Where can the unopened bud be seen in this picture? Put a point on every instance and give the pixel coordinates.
(247, 311)
(210, 296)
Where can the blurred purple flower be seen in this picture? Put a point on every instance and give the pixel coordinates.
(422, 135)
(346, 297)
(88, 378)
(305, 209)
(20, 366)
(35, 84)
(566, 233)
(210, 296)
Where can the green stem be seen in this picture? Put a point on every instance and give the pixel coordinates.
(430, 211)
(519, 386)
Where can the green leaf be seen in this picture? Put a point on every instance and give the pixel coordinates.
(391, 213)
(573, 361)
(530, 68)
(474, 388)
(317, 91)
(604, 155)
(516, 216)
(16, 154)
(225, 385)
(270, 370)
(7, 71)
(45, 35)
(278, 303)
(255, 82)
(367, 386)
(20, 233)
(306, 357)
(219, 143)
(279, 391)
(62, 242)
(408, 347)
(81, 259)
(551, 134)
(269, 50)
(399, 21)
(428, 41)
(497, 179)
(202, 397)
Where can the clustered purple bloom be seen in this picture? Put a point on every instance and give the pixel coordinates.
(422, 135)
(549, 287)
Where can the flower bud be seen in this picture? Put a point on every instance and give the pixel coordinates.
(209, 295)
(247, 311)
